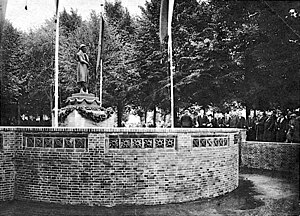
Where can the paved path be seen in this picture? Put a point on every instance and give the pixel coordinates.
(260, 193)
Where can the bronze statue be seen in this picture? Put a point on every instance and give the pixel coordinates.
(82, 69)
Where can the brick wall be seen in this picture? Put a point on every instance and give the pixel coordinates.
(111, 168)
(270, 155)
(8, 143)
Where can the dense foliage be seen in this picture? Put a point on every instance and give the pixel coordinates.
(224, 51)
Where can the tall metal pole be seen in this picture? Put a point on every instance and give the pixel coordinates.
(56, 72)
(170, 52)
(99, 58)
(101, 81)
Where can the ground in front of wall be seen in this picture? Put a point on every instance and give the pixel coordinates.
(260, 193)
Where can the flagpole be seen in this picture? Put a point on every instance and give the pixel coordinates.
(56, 71)
(99, 59)
(170, 53)
(101, 81)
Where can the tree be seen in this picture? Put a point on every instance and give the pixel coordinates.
(119, 76)
(153, 82)
(10, 81)
(271, 64)
(37, 71)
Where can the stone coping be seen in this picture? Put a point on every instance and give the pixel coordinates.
(271, 143)
(124, 130)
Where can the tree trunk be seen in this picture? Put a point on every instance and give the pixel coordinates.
(120, 108)
(175, 117)
(154, 116)
(145, 117)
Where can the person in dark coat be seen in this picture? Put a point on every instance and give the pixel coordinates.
(226, 119)
(202, 119)
(221, 121)
(250, 124)
(241, 121)
(296, 137)
(186, 120)
(293, 129)
(269, 127)
(281, 126)
(212, 122)
(259, 126)
(233, 120)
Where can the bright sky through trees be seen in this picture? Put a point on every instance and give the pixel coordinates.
(40, 10)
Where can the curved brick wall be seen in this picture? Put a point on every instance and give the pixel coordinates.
(124, 166)
(270, 156)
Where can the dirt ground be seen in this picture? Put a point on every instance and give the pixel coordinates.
(260, 192)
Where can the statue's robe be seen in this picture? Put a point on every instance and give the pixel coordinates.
(82, 67)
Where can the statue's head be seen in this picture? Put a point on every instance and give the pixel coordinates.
(82, 47)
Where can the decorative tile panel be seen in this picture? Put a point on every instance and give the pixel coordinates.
(125, 143)
(30, 141)
(38, 142)
(209, 142)
(137, 143)
(148, 143)
(203, 142)
(48, 141)
(170, 143)
(80, 143)
(113, 143)
(159, 143)
(58, 142)
(226, 141)
(196, 142)
(216, 142)
(141, 142)
(69, 142)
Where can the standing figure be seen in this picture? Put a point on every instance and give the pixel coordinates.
(233, 121)
(281, 127)
(186, 120)
(202, 120)
(250, 123)
(259, 126)
(82, 69)
(221, 120)
(241, 121)
(212, 122)
(269, 127)
(293, 129)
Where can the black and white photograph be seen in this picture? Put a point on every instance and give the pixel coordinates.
(149, 108)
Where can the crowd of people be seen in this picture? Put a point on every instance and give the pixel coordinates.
(268, 126)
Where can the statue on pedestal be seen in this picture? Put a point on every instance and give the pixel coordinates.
(82, 69)
(84, 109)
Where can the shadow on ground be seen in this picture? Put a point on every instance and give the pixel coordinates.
(260, 193)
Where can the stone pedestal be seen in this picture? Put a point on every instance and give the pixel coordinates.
(84, 110)
(83, 99)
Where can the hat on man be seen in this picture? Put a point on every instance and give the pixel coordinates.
(82, 45)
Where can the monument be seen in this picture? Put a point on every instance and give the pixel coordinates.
(84, 109)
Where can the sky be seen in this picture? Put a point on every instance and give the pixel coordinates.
(40, 10)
